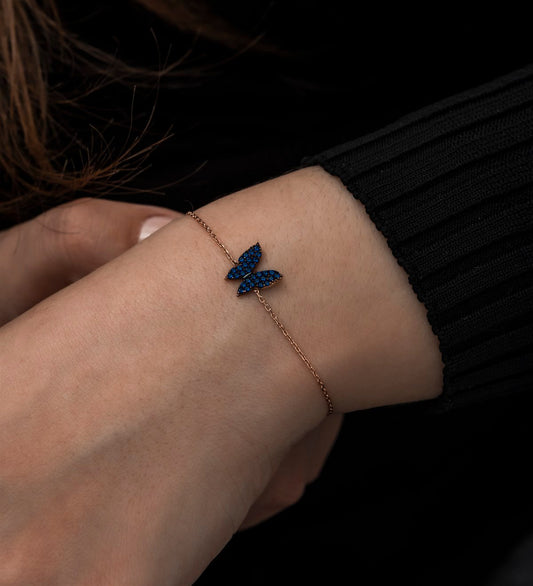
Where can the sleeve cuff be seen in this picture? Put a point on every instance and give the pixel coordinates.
(450, 188)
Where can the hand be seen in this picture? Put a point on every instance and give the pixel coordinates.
(47, 253)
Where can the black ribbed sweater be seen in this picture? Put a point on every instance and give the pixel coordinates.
(450, 187)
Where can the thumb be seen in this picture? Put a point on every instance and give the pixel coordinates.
(43, 255)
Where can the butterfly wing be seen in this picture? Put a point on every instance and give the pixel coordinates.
(247, 262)
(259, 280)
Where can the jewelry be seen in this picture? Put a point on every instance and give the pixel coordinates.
(252, 281)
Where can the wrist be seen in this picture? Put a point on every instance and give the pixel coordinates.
(344, 297)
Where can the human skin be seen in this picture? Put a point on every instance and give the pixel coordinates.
(146, 407)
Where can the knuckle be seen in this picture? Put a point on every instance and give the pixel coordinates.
(70, 227)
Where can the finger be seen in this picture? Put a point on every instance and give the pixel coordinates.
(42, 255)
(301, 465)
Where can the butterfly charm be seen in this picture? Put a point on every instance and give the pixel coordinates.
(244, 270)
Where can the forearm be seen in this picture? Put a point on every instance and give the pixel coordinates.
(344, 298)
(150, 376)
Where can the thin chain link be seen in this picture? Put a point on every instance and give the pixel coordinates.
(268, 308)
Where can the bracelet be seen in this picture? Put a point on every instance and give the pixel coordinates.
(253, 281)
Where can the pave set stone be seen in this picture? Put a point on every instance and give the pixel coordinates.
(244, 270)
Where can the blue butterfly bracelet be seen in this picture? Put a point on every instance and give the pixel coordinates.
(255, 281)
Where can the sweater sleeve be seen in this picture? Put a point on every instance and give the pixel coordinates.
(450, 188)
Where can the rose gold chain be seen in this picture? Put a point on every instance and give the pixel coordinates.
(268, 308)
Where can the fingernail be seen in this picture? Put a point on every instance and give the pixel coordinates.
(153, 224)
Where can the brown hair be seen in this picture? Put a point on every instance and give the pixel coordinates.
(40, 161)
